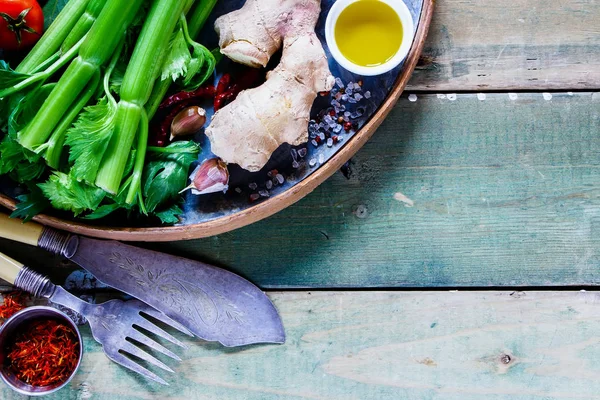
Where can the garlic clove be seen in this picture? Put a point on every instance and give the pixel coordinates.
(188, 122)
(211, 176)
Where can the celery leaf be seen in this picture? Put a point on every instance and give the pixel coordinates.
(89, 138)
(170, 215)
(103, 211)
(66, 193)
(176, 64)
(200, 69)
(30, 204)
(21, 164)
(9, 77)
(26, 107)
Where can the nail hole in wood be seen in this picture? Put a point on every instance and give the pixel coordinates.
(505, 359)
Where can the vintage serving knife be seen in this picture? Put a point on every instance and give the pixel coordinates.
(214, 304)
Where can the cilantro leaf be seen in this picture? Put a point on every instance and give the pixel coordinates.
(167, 173)
(66, 193)
(30, 204)
(89, 138)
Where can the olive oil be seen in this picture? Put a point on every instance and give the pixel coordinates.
(369, 33)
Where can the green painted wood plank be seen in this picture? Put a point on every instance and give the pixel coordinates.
(498, 192)
(447, 193)
(522, 44)
(467, 346)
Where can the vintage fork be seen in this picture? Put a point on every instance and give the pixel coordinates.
(112, 322)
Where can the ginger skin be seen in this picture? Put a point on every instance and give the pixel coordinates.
(250, 129)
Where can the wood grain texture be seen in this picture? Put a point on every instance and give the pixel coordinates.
(516, 45)
(467, 346)
(448, 193)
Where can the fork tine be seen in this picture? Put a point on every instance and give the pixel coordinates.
(149, 326)
(136, 351)
(140, 337)
(135, 367)
(151, 311)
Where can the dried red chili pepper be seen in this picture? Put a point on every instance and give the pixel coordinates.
(227, 91)
(44, 353)
(203, 92)
(13, 303)
(224, 83)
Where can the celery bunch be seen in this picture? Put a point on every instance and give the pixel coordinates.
(76, 111)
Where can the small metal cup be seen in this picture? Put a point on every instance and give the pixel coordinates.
(11, 327)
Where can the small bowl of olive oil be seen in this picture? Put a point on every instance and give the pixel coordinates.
(369, 37)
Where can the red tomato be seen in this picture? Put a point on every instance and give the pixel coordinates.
(21, 24)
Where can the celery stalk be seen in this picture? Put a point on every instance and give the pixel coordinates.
(54, 146)
(197, 19)
(199, 16)
(52, 39)
(84, 24)
(140, 158)
(96, 49)
(138, 82)
(47, 73)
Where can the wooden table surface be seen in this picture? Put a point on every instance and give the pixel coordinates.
(448, 265)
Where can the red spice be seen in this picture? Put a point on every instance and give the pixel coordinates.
(13, 303)
(203, 92)
(44, 353)
(227, 91)
(347, 126)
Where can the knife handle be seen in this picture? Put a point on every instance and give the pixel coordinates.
(14, 229)
(25, 278)
(9, 269)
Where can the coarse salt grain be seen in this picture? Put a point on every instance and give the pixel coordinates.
(253, 186)
(330, 142)
(280, 179)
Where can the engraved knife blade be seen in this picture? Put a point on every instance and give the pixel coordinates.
(213, 303)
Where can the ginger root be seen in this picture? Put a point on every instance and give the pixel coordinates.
(248, 131)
